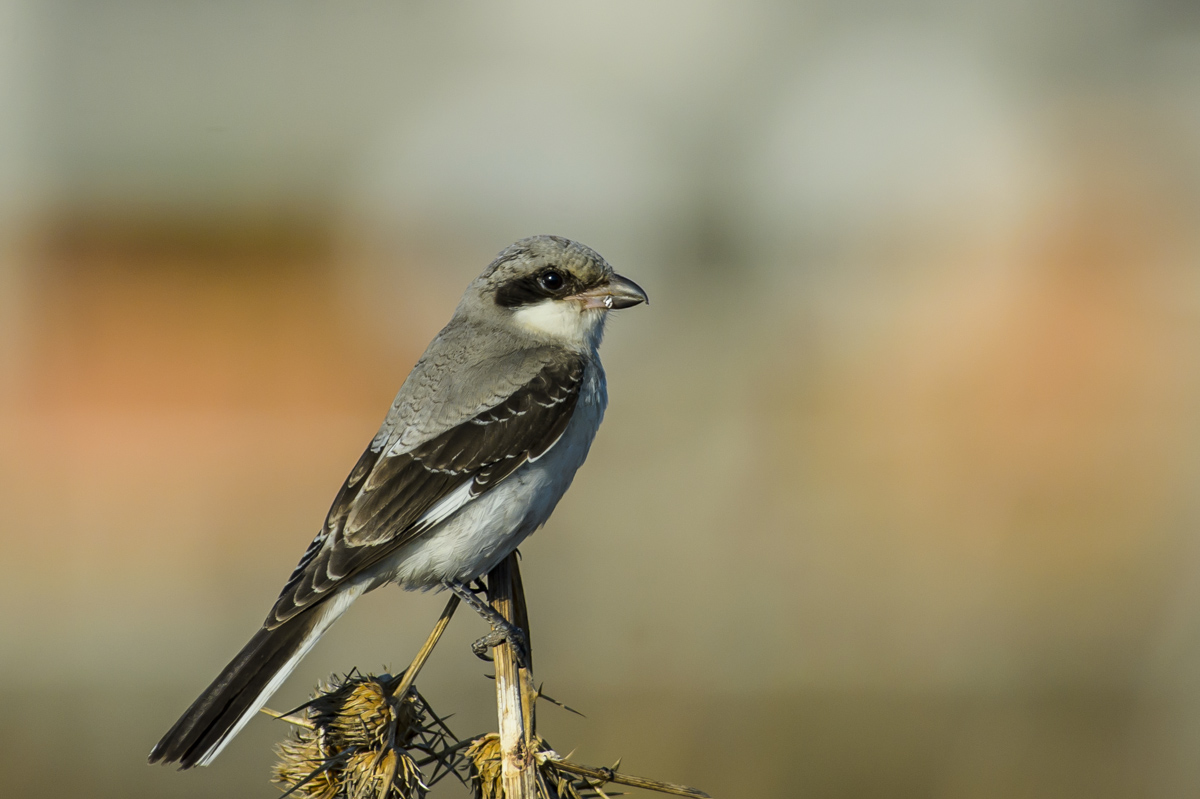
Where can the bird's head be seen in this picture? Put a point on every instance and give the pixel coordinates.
(551, 289)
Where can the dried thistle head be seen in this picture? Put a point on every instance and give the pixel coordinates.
(483, 758)
(357, 744)
(368, 772)
(483, 764)
(361, 712)
(301, 767)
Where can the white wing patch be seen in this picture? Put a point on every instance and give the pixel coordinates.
(445, 508)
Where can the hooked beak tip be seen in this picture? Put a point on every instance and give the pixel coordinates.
(622, 292)
(615, 293)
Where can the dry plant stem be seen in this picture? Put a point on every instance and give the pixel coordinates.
(410, 674)
(414, 668)
(529, 693)
(608, 775)
(290, 719)
(514, 705)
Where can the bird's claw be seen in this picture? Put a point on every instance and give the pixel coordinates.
(509, 634)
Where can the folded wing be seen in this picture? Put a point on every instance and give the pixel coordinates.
(390, 498)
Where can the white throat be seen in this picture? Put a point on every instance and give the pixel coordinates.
(564, 321)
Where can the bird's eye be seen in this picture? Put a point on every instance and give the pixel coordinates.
(551, 280)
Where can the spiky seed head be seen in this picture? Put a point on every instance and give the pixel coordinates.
(357, 743)
(484, 760)
(368, 772)
(301, 760)
(484, 766)
(363, 712)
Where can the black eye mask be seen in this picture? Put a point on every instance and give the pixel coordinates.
(532, 289)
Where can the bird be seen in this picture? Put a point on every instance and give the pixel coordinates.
(481, 442)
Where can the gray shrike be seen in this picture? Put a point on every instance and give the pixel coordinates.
(478, 447)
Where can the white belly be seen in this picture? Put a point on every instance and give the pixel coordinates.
(483, 532)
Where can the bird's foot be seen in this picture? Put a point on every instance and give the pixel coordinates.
(503, 630)
(506, 633)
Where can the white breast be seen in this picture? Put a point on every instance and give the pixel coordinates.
(469, 543)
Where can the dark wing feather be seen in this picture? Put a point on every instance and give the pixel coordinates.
(381, 505)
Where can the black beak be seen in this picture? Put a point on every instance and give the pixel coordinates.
(616, 292)
(624, 293)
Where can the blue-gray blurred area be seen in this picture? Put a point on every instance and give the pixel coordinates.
(899, 490)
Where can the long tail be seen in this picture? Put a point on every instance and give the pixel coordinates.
(246, 684)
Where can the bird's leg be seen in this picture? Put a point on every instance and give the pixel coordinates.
(503, 631)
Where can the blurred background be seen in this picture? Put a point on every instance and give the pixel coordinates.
(897, 493)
